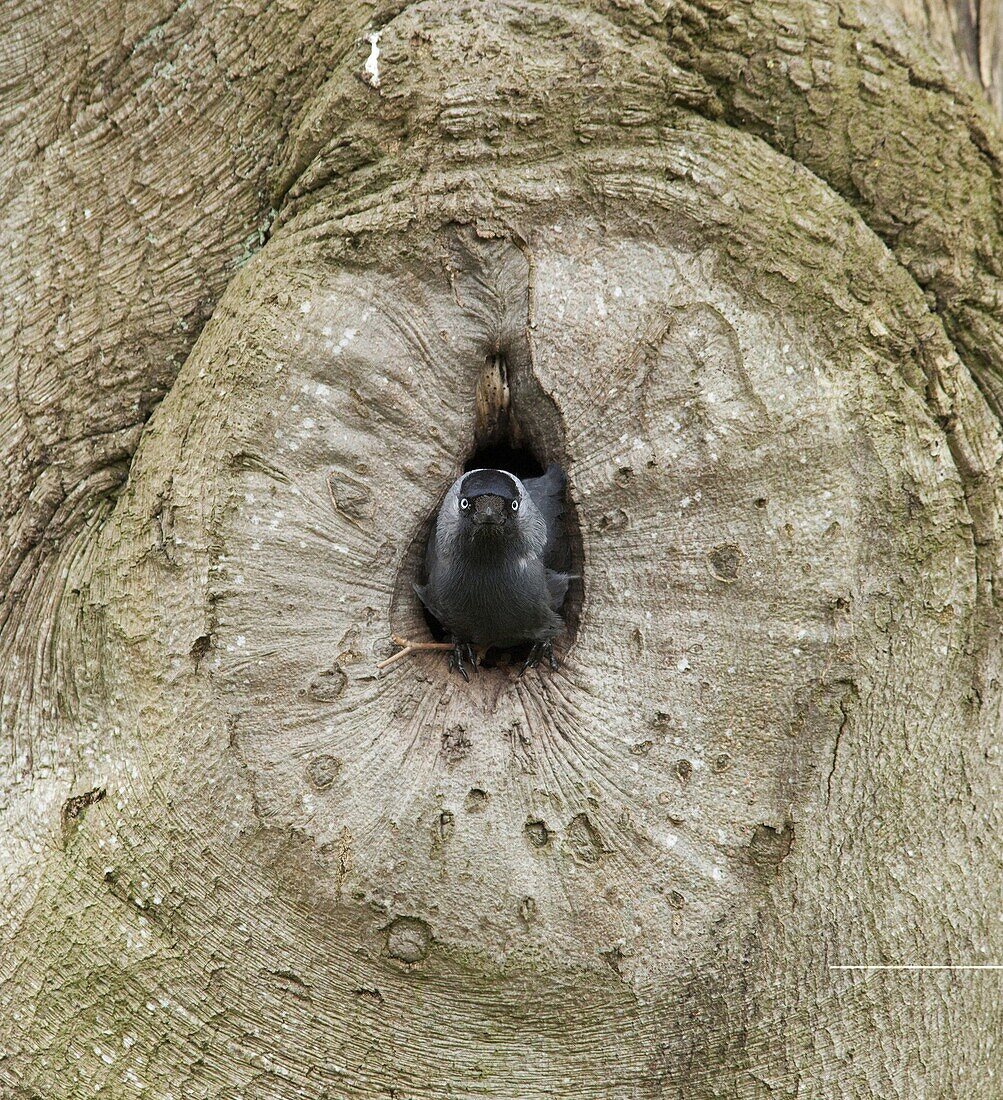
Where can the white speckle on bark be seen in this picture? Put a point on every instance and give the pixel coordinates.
(371, 72)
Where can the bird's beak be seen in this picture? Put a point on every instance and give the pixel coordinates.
(489, 511)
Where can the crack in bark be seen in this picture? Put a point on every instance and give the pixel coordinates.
(841, 729)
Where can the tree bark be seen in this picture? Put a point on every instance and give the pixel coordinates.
(968, 31)
(737, 268)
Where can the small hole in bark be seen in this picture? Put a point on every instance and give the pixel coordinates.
(350, 497)
(724, 562)
(327, 684)
(476, 800)
(770, 845)
(613, 958)
(371, 996)
(614, 521)
(75, 807)
(455, 744)
(322, 771)
(409, 939)
(584, 840)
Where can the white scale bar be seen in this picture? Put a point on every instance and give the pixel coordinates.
(913, 966)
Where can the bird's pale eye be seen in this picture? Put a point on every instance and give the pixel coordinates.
(515, 506)
(464, 503)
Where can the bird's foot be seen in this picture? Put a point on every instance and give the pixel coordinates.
(460, 653)
(540, 651)
(463, 652)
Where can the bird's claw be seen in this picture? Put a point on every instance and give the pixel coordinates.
(540, 650)
(462, 652)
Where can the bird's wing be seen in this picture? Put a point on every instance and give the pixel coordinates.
(430, 554)
(547, 493)
(421, 591)
(557, 588)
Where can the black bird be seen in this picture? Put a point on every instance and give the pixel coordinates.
(489, 564)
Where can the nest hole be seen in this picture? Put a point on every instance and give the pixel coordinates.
(518, 428)
(505, 456)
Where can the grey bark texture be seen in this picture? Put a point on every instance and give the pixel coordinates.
(273, 271)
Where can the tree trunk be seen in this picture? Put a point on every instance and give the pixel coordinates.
(275, 274)
(968, 31)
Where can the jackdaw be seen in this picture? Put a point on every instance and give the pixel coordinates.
(493, 564)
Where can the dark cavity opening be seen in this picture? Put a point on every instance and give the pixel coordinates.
(504, 456)
(517, 427)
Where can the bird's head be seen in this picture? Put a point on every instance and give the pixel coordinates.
(488, 503)
(490, 515)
